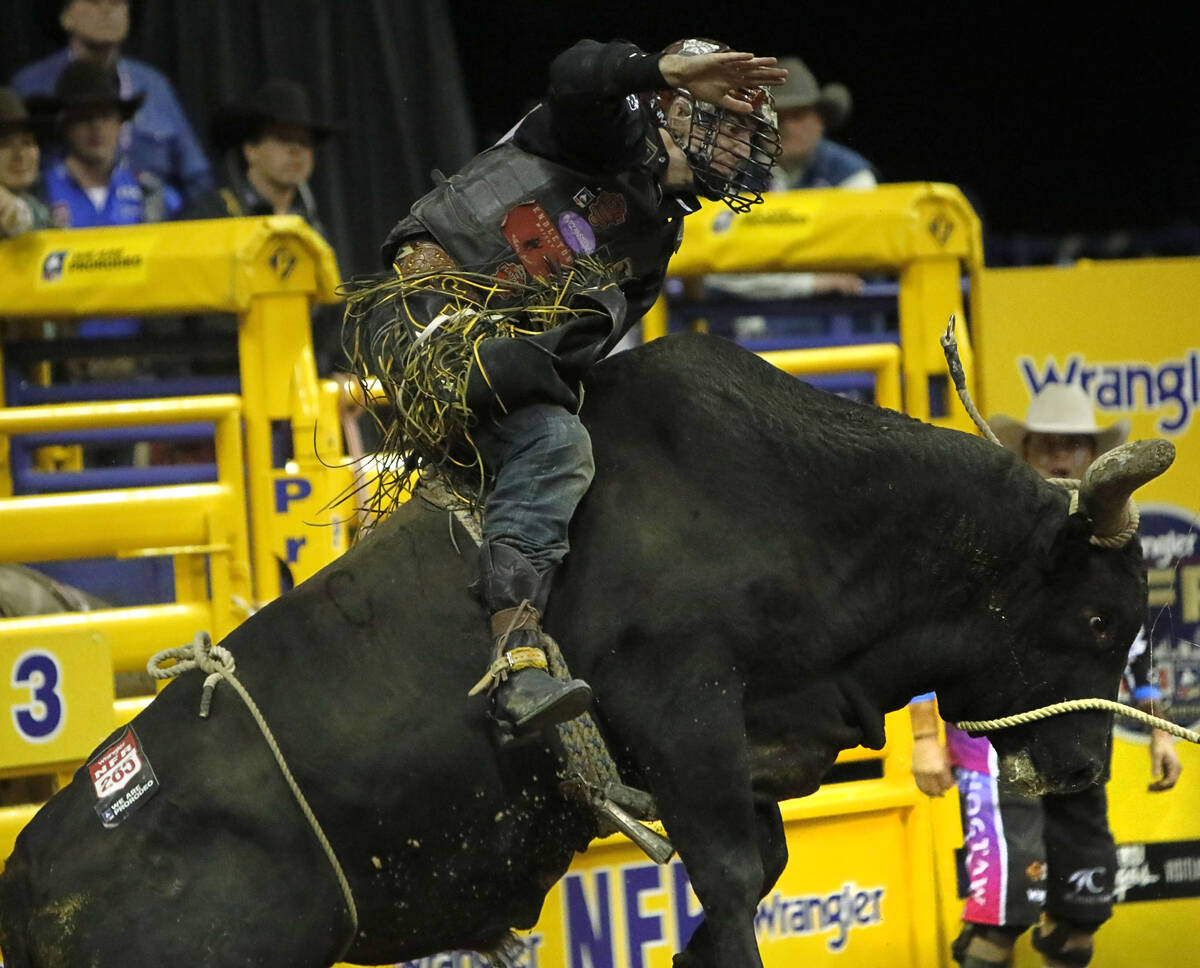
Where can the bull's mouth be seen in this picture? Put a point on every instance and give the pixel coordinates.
(1018, 771)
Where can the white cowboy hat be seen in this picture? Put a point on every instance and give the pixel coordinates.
(1061, 408)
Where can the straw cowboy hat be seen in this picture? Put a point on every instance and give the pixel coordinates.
(1061, 408)
(84, 84)
(278, 101)
(801, 90)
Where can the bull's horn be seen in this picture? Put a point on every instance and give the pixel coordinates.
(1113, 476)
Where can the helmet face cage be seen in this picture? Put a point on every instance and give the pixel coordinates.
(730, 154)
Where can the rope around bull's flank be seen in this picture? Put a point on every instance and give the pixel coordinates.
(1074, 705)
(217, 661)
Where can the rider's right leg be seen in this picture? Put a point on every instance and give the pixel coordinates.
(540, 459)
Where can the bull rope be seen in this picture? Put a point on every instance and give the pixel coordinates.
(217, 661)
(1075, 705)
(954, 364)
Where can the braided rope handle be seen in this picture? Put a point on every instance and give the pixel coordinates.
(1074, 705)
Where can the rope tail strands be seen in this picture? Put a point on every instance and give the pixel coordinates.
(423, 359)
(950, 349)
(217, 661)
(1075, 705)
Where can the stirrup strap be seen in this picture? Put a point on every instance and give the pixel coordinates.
(522, 657)
(504, 623)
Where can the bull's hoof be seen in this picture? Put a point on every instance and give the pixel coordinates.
(531, 700)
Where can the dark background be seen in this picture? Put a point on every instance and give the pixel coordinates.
(1054, 118)
(1052, 123)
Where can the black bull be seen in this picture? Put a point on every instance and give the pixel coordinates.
(758, 573)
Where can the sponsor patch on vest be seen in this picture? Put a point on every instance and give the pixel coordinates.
(584, 197)
(607, 210)
(535, 240)
(122, 778)
(512, 272)
(577, 233)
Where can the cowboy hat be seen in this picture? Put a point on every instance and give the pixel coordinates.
(801, 90)
(1060, 408)
(13, 114)
(278, 101)
(84, 84)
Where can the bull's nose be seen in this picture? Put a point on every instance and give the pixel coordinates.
(1082, 778)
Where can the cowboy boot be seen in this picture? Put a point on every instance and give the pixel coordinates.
(527, 696)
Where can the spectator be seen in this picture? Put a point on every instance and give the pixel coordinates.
(808, 160)
(20, 209)
(1036, 848)
(92, 185)
(267, 145)
(158, 138)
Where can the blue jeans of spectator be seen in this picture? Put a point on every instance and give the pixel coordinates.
(540, 460)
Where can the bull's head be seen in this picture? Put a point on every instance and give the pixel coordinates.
(1065, 622)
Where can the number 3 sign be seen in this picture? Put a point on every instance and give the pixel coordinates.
(60, 701)
(41, 718)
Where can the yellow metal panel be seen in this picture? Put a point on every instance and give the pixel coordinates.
(118, 413)
(925, 232)
(850, 895)
(167, 267)
(131, 635)
(880, 228)
(93, 524)
(58, 698)
(1107, 316)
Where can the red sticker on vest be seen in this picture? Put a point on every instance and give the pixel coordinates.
(122, 778)
(535, 240)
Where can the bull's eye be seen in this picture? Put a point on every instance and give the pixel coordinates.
(1099, 626)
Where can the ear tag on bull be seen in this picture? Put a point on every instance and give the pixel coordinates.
(122, 778)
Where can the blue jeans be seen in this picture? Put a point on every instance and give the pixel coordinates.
(540, 459)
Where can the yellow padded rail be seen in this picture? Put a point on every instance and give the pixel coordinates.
(215, 265)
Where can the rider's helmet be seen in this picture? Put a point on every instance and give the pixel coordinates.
(730, 154)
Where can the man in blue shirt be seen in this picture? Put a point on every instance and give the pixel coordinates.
(809, 159)
(158, 138)
(92, 185)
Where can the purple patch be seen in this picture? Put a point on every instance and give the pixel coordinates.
(577, 233)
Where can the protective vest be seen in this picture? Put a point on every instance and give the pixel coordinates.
(516, 215)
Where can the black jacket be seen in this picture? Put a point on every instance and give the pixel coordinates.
(579, 177)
